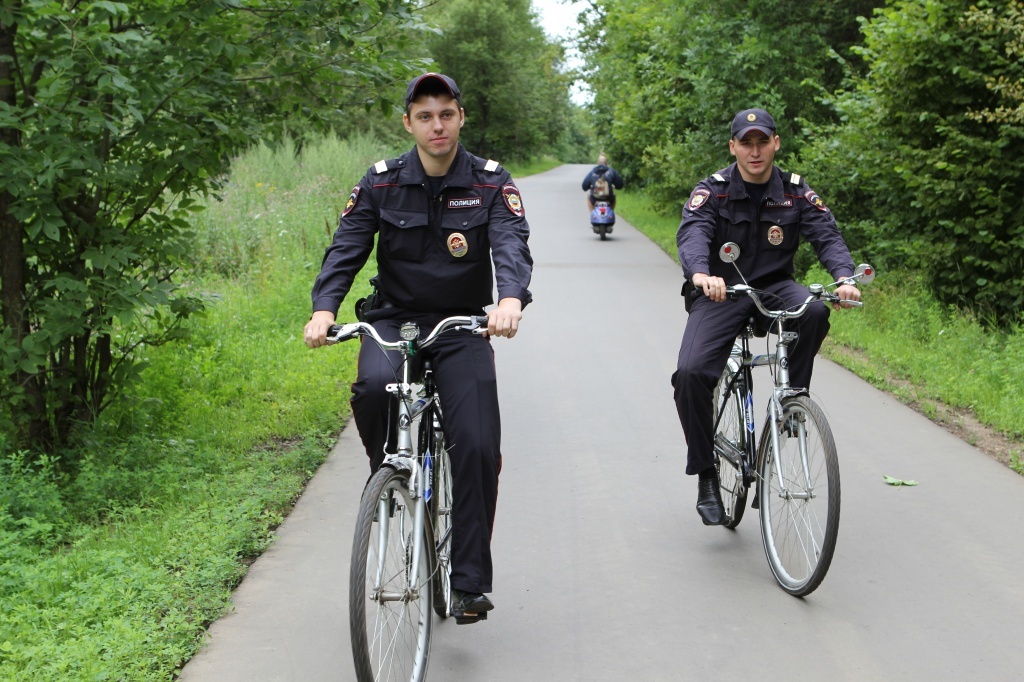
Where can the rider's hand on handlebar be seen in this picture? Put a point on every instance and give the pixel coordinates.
(503, 320)
(713, 287)
(846, 293)
(315, 333)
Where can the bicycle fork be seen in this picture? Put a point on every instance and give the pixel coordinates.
(798, 428)
(412, 545)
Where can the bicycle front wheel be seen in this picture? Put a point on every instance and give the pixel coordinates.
(798, 491)
(730, 443)
(389, 598)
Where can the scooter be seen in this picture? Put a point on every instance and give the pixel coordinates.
(602, 218)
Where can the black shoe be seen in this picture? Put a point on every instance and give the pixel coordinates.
(469, 607)
(709, 501)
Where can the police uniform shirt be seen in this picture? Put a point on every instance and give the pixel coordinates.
(720, 210)
(434, 253)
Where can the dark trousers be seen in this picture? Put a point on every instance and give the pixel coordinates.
(707, 341)
(465, 376)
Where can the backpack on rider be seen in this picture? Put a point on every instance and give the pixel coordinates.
(602, 190)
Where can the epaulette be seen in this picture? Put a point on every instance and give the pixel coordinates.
(489, 165)
(792, 178)
(384, 165)
(718, 177)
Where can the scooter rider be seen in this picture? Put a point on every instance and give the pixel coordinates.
(614, 178)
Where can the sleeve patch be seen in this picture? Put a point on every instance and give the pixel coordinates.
(510, 193)
(352, 199)
(698, 198)
(815, 201)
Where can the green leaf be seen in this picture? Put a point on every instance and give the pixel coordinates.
(897, 482)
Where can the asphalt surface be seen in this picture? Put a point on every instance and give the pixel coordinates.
(603, 570)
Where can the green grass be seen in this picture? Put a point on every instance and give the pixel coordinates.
(905, 341)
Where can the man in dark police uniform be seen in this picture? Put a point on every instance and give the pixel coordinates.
(766, 212)
(441, 216)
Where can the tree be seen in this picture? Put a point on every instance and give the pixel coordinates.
(668, 75)
(928, 161)
(114, 116)
(516, 91)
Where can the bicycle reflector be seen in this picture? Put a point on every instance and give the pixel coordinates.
(409, 331)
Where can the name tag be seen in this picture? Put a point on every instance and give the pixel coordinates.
(468, 202)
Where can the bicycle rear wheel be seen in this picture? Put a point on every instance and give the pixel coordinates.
(389, 615)
(730, 443)
(798, 490)
(440, 509)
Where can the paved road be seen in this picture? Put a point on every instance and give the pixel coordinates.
(603, 569)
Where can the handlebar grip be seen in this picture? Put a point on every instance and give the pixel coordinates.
(333, 330)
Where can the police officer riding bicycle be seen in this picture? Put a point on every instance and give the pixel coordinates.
(767, 212)
(441, 216)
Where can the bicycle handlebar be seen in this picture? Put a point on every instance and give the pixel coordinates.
(344, 332)
(818, 293)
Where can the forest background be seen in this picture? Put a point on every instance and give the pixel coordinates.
(173, 169)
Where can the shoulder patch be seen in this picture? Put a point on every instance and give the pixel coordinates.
(351, 203)
(381, 166)
(510, 193)
(491, 166)
(698, 198)
(814, 200)
(719, 177)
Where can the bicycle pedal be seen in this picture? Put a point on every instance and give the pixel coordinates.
(468, 619)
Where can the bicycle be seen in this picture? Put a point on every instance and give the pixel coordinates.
(401, 552)
(794, 463)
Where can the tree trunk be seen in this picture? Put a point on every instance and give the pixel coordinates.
(29, 415)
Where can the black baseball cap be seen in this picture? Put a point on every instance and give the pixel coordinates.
(752, 119)
(417, 83)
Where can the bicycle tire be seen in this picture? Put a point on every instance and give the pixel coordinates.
(390, 637)
(730, 432)
(440, 509)
(799, 515)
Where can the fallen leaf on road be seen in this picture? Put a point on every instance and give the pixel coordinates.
(895, 481)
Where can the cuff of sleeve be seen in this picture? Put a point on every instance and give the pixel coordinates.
(522, 294)
(328, 304)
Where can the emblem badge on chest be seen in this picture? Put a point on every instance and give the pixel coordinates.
(774, 235)
(457, 245)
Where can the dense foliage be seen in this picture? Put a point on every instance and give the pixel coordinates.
(668, 75)
(906, 116)
(514, 81)
(114, 116)
(113, 571)
(927, 163)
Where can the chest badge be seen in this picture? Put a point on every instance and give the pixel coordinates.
(775, 235)
(457, 245)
